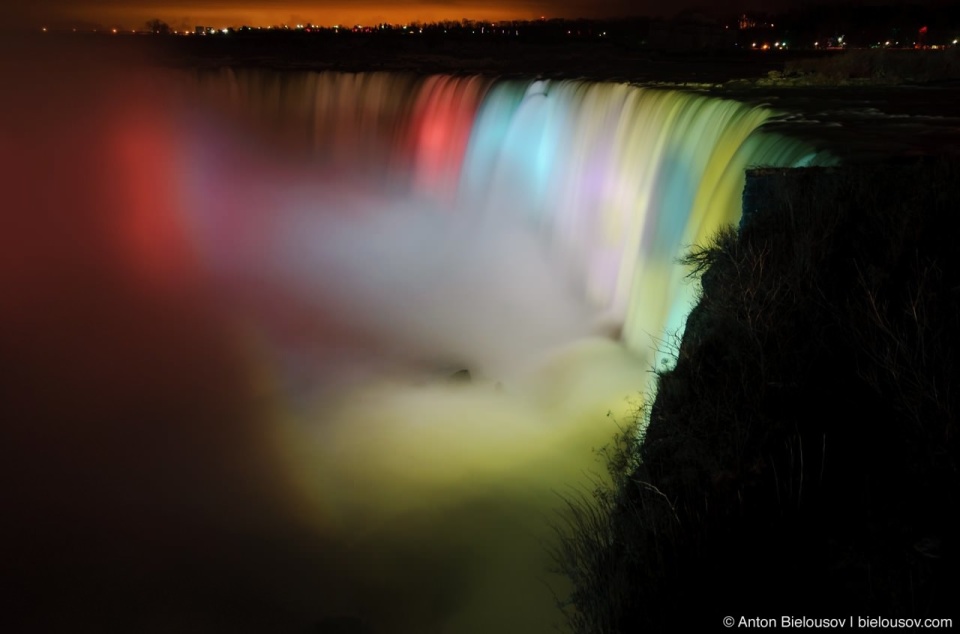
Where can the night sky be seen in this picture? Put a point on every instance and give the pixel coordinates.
(222, 13)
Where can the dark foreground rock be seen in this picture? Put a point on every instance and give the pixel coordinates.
(801, 457)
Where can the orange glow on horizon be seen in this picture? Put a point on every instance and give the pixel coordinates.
(182, 15)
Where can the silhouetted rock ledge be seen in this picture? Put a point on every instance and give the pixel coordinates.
(802, 457)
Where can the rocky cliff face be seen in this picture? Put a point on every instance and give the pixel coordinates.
(801, 456)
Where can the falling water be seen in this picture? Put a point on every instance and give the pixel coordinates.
(616, 180)
(269, 278)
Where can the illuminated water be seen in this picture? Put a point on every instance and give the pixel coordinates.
(279, 272)
(614, 180)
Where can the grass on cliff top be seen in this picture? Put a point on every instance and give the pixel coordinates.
(801, 457)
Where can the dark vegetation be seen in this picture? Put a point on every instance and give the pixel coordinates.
(801, 456)
(888, 67)
(596, 58)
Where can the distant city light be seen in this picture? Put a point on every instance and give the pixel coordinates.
(835, 42)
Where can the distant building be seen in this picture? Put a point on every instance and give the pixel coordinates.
(745, 22)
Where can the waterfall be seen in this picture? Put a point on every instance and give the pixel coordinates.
(237, 298)
(492, 224)
(620, 180)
